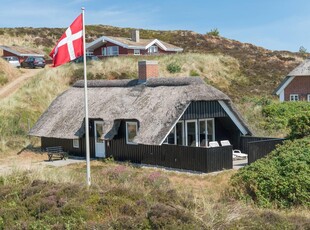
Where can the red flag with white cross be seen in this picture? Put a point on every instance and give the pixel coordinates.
(70, 45)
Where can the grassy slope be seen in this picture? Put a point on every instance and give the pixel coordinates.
(24, 107)
(263, 69)
(7, 72)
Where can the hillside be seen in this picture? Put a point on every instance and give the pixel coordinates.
(261, 69)
(7, 72)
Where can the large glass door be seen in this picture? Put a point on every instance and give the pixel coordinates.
(206, 131)
(191, 133)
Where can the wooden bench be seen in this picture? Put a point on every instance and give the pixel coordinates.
(56, 150)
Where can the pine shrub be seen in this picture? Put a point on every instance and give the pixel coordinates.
(174, 68)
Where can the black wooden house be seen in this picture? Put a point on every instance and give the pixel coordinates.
(164, 121)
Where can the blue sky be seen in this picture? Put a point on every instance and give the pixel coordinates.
(273, 24)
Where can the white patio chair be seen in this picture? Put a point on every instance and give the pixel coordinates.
(213, 144)
(236, 152)
(225, 143)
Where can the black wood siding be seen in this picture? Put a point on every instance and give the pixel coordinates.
(258, 147)
(181, 157)
(204, 109)
(67, 145)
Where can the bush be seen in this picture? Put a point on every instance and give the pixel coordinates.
(214, 32)
(299, 125)
(278, 114)
(193, 73)
(173, 68)
(78, 74)
(282, 179)
(302, 50)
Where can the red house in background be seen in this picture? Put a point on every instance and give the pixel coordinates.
(114, 46)
(21, 53)
(296, 86)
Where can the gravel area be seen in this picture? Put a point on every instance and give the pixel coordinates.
(60, 163)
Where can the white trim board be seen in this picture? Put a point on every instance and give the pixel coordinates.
(287, 82)
(233, 117)
(102, 39)
(174, 124)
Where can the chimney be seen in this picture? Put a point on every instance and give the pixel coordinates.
(135, 35)
(147, 69)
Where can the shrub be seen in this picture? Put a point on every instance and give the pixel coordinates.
(278, 114)
(302, 50)
(214, 32)
(282, 179)
(78, 74)
(299, 125)
(174, 68)
(193, 73)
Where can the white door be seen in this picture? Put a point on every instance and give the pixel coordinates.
(99, 143)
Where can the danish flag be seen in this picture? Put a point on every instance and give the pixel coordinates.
(70, 45)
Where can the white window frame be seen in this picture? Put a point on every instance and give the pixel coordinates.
(108, 51)
(308, 97)
(174, 129)
(206, 128)
(76, 143)
(153, 49)
(131, 123)
(196, 132)
(89, 53)
(136, 52)
(294, 97)
(104, 51)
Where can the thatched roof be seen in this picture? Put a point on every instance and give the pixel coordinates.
(156, 104)
(22, 51)
(302, 70)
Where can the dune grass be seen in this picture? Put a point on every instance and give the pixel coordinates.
(218, 70)
(21, 110)
(7, 72)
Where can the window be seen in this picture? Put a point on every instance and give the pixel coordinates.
(210, 130)
(76, 143)
(131, 131)
(191, 133)
(176, 136)
(308, 97)
(110, 51)
(136, 52)
(153, 49)
(206, 131)
(294, 97)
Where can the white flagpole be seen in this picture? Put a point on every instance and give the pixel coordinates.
(88, 178)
